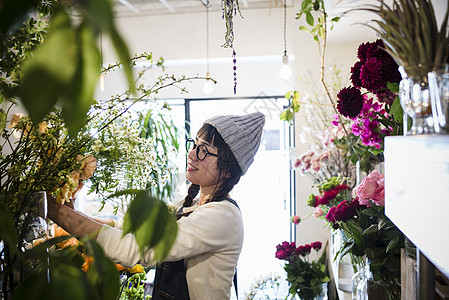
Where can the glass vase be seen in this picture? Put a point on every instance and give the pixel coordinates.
(439, 95)
(37, 217)
(366, 288)
(414, 96)
(322, 295)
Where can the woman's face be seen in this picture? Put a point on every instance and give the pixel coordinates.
(204, 173)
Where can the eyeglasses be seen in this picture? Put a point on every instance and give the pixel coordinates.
(201, 150)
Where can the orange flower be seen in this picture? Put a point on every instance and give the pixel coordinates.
(88, 166)
(67, 243)
(87, 262)
(43, 127)
(119, 267)
(136, 269)
(15, 120)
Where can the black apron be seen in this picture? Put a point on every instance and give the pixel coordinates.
(170, 281)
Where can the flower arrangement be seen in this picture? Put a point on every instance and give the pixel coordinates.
(372, 103)
(360, 215)
(306, 276)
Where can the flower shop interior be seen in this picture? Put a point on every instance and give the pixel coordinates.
(355, 138)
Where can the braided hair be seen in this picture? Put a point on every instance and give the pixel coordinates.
(227, 164)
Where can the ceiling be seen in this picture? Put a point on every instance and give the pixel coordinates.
(160, 7)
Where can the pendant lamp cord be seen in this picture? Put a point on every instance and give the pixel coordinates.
(285, 27)
(207, 38)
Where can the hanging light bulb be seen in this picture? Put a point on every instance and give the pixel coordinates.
(285, 71)
(208, 87)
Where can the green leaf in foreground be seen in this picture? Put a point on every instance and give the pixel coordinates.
(153, 226)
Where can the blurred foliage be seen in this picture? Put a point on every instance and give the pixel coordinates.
(41, 81)
(60, 67)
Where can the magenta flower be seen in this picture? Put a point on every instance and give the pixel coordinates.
(345, 211)
(308, 247)
(295, 219)
(350, 102)
(284, 250)
(330, 216)
(303, 250)
(331, 194)
(316, 245)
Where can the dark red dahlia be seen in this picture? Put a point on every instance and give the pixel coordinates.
(375, 50)
(361, 51)
(371, 75)
(390, 71)
(355, 74)
(350, 102)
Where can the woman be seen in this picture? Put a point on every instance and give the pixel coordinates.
(202, 261)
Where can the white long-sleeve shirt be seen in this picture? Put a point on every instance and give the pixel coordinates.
(210, 240)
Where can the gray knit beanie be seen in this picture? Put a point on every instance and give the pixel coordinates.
(242, 134)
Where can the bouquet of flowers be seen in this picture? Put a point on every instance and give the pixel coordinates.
(372, 103)
(305, 276)
(368, 231)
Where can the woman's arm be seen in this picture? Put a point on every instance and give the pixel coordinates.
(74, 222)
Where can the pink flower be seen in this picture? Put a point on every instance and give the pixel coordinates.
(316, 166)
(318, 212)
(372, 188)
(379, 193)
(296, 219)
(297, 163)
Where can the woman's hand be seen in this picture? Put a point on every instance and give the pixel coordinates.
(72, 199)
